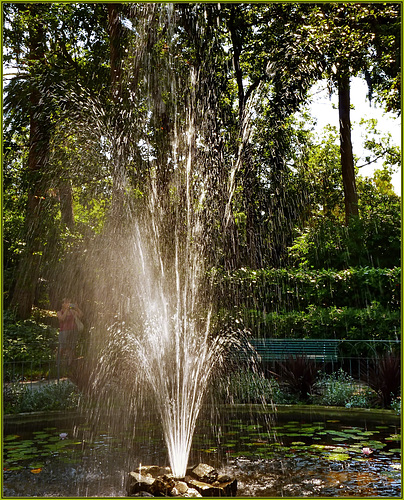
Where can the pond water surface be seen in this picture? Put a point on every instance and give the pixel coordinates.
(303, 453)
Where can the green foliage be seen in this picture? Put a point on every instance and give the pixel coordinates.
(328, 244)
(373, 239)
(295, 289)
(335, 389)
(340, 389)
(351, 304)
(396, 405)
(243, 386)
(27, 340)
(50, 397)
(372, 322)
(279, 49)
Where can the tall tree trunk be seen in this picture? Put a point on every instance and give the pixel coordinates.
(118, 153)
(237, 47)
(28, 270)
(115, 33)
(347, 163)
(66, 204)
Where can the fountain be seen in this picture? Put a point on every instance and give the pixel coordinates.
(156, 342)
(150, 269)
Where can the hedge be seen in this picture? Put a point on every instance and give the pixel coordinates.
(373, 322)
(274, 290)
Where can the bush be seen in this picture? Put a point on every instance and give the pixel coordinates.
(396, 405)
(340, 389)
(336, 389)
(23, 399)
(372, 322)
(274, 290)
(27, 340)
(299, 374)
(373, 240)
(385, 377)
(244, 386)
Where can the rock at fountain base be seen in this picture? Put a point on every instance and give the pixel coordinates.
(201, 481)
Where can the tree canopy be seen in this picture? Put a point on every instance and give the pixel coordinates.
(107, 104)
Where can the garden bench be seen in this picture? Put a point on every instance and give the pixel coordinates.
(281, 349)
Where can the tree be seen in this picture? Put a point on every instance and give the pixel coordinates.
(39, 126)
(349, 37)
(267, 63)
(36, 39)
(321, 240)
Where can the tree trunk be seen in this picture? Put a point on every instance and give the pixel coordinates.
(347, 163)
(28, 270)
(237, 47)
(66, 204)
(115, 33)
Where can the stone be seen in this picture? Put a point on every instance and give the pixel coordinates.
(153, 470)
(228, 489)
(181, 487)
(201, 481)
(227, 484)
(137, 483)
(162, 486)
(207, 490)
(204, 473)
(192, 493)
(224, 478)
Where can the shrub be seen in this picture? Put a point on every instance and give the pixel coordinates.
(296, 289)
(27, 340)
(340, 389)
(299, 374)
(23, 399)
(328, 243)
(385, 377)
(372, 322)
(396, 405)
(244, 386)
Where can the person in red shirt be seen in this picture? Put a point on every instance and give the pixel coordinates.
(68, 331)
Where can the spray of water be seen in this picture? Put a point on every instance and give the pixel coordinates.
(148, 269)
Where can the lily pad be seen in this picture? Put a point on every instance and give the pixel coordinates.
(318, 446)
(11, 437)
(338, 457)
(339, 449)
(366, 433)
(394, 437)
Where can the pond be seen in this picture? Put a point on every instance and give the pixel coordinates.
(303, 452)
